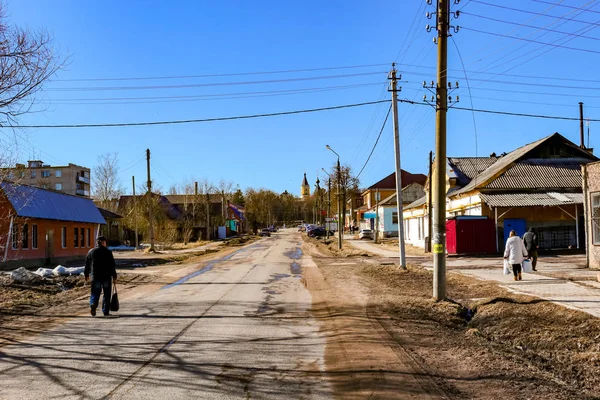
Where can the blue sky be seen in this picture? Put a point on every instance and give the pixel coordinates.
(144, 39)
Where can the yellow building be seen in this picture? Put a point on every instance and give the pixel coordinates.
(305, 189)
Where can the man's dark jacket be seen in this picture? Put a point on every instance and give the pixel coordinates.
(100, 264)
(531, 241)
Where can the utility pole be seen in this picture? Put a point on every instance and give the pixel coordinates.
(439, 176)
(339, 194)
(328, 206)
(429, 204)
(150, 218)
(207, 214)
(399, 208)
(581, 131)
(375, 237)
(135, 218)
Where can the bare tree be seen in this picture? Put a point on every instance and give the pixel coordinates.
(225, 190)
(105, 181)
(27, 62)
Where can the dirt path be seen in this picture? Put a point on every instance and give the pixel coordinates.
(388, 339)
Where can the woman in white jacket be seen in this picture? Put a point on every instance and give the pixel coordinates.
(515, 253)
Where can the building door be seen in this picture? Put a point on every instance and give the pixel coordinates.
(519, 225)
(49, 246)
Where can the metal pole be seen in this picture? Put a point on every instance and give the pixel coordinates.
(581, 131)
(137, 245)
(328, 205)
(439, 178)
(577, 224)
(339, 194)
(150, 218)
(399, 206)
(496, 219)
(376, 216)
(586, 212)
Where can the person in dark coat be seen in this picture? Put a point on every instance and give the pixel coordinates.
(100, 265)
(530, 240)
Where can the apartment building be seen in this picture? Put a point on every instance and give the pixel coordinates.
(71, 179)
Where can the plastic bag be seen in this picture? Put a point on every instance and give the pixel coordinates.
(527, 268)
(507, 268)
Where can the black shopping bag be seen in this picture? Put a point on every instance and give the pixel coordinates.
(114, 301)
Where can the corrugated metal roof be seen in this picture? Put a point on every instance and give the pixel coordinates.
(32, 202)
(109, 214)
(547, 199)
(416, 203)
(504, 162)
(470, 167)
(541, 173)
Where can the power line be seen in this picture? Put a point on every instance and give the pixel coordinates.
(530, 26)
(217, 75)
(531, 40)
(536, 13)
(376, 141)
(563, 5)
(207, 97)
(514, 114)
(192, 121)
(194, 85)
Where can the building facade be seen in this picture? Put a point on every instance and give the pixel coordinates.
(40, 227)
(71, 179)
(535, 186)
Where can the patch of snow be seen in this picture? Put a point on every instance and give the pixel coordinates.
(121, 248)
(59, 271)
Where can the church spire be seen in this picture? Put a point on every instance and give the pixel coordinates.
(305, 188)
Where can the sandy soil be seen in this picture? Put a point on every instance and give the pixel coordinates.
(484, 344)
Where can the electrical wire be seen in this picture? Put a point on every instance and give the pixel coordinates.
(191, 121)
(376, 141)
(529, 26)
(536, 13)
(196, 85)
(561, 5)
(217, 75)
(531, 41)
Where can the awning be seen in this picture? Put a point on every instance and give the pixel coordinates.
(548, 199)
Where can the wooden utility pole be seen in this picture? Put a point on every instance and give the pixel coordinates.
(150, 217)
(399, 208)
(429, 204)
(439, 176)
(135, 221)
(207, 214)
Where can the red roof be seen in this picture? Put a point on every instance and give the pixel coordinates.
(389, 182)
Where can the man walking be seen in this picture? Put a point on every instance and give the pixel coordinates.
(100, 264)
(530, 240)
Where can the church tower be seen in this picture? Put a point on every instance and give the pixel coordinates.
(305, 189)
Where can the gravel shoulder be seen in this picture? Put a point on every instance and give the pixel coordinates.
(486, 343)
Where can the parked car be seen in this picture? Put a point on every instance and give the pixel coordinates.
(265, 232)
(365, 234)
(317, 232)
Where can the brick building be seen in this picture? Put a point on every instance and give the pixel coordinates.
(71, 179)
(39, 227)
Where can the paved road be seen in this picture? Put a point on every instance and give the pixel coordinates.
(240, 327)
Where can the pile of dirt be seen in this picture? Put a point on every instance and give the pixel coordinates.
(239, 241)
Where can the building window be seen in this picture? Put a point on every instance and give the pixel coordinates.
(22, 174)
(76, 237)
(596, 218)
(64, 237)
(45, 174)
(82, 231)
(89, 237)
(34, 237)
(15, 236)
(394, 217)
(58, 186)
(25, 237)
(33, 174)
(58, 173)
